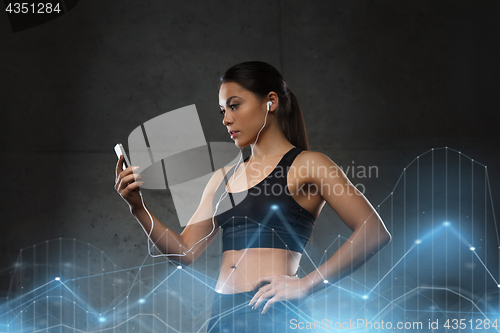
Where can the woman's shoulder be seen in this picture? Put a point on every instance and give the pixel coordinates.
(221, 172)
(315, 166)
(217, 177)
(311, 158)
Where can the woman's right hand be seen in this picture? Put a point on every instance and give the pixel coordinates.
(127, 186)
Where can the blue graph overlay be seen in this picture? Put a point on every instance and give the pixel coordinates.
(440, 272)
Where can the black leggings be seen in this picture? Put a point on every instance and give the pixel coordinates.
(231, 313)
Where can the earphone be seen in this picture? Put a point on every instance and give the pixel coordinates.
(222, 197)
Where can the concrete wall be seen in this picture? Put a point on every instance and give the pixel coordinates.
(379, 83)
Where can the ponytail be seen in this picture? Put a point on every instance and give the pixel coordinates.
(292, 122)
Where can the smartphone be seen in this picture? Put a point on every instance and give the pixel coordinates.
(120, 151)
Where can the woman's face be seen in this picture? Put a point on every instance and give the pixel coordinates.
(244, 113)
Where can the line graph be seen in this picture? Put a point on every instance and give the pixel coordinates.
(443, 264)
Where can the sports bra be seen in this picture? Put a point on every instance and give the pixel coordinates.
(264, 216)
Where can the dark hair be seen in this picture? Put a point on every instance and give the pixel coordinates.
(261, 78)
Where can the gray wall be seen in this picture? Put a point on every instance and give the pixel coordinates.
(379, 83)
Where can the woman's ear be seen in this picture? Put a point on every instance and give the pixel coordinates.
(272, 97)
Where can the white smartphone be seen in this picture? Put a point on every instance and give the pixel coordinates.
(120, 151)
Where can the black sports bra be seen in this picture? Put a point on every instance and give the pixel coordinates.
(265, 216)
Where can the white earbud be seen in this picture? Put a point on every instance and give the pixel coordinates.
(269, 105)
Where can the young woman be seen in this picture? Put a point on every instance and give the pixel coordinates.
(266, 206)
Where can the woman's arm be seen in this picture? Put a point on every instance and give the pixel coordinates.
(182, 248)
(369, 232)
(368, 237)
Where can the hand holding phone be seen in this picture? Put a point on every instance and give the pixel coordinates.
(125, 182)
(120, 151)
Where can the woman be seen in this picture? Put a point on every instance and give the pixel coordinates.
(267, 206)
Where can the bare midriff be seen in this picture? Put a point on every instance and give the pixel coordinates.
(240, 269)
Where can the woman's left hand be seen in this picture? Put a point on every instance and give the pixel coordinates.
(279, 288)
